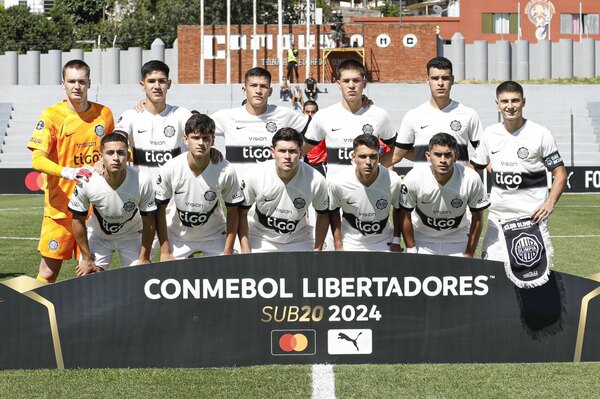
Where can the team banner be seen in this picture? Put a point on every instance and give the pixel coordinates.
(284, 308)
(528, 264)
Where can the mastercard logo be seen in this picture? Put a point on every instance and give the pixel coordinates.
(35, 181)
(293, 342)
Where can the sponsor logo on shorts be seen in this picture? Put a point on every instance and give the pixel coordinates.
(53, 245)
(293, 342)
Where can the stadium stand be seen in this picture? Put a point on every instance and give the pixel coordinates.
(5, 116)
(549, 105)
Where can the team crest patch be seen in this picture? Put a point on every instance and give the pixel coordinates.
(455, 126)
(403, 189)
(99, 130)
(128, 206)
(526, 249)
(40, 125)
(169, 131)
(456, 203)
(523, 153)
(210, 195)
(368, 129)
(299, 203)
(53, 245)
(381, 204)
(271, 127)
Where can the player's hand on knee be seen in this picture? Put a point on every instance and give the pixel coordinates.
(85, 267)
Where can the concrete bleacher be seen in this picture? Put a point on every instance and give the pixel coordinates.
(549, 105)
(5, 116)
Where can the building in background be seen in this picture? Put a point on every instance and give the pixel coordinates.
(38, 6)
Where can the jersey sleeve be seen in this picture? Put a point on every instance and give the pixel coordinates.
(481, 158)
(44, 135)
(231, 191)
(220, 124)
(124, 123)
(550, 155)
(299, 121)
(315, 132)
(321, 198)
(408, 192)
(249, 189)
(406, 134)
(164, 184)
(475, 130)
(79, 203)
(478, 200)
(386, 132)
(396, 190)
(335, 199)
(147, 196)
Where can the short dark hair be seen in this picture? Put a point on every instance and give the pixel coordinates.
(115, 136)
(351, 64)
(287, 134)
(200, 123)
(310, 102)
(366, 139)
(509, 87)
(257, 72)
(439, 63)
(154, 65)
(76, 64)
(443, 139)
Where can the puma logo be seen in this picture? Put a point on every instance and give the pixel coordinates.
(347, 338)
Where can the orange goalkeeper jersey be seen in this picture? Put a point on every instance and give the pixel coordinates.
(69, 139)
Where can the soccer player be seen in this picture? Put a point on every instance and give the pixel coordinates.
(156, 133)
(365, 198)
(439, 114)
(249, 129)
(340, 123)
(282, 190)
(195, 184)
(66, 139)
(123, 204)
(317, 156)
(440, 194)
(518, 152)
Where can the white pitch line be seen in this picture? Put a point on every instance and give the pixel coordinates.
(323, 381)
(578, 206)
(19, 238)
(20, 209)
(578, 236)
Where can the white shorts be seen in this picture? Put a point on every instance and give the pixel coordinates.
(103, 250)
(184, 249)
(258, 245)
(494, 245)
(380, 246)
(441, 248)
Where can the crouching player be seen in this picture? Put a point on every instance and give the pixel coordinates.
(282, 189)
(365, 198)
(440, 193)
(195, 184)
(123, 207)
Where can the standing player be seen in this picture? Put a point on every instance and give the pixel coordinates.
(282, 190)
(156, 133)
(249, 129)
(340, 123)
(65, 140)
(122, 200)
(439, 114)
(365, 198)
(194, 183)
(519, 152)
(440, 194)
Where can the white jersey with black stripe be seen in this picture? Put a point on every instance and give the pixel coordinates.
(420, 124)
(154, 139)
(519, 162)
(339, 127)
(365, 210)
(197, 214)
(280, 212)
(116, 213)
(440, 211)
(248, 137)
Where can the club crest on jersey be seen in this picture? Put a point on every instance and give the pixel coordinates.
(456, 203)
(128, 206)
(523, 153)
(210, 195)
(271, 127)
(368, 129)
(169, 131)
(53, 245)
(381, 204)
(455, 125)
(40, 125)
(526, 249)
(299, 203)
(99, 130)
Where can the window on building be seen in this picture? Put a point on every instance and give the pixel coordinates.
(571, 24)
(500, 23)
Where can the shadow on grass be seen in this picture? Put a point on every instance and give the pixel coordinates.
(10, 275)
